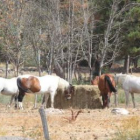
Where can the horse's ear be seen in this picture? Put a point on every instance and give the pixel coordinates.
(72, 89)
(71, 86)
(114, 75)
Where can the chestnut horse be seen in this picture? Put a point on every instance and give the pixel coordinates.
(46, 85)
(106, 85)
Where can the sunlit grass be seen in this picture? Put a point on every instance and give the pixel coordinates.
(130, 129)
(121, 97)
(35, 133)
(2, 132)
(4, 99)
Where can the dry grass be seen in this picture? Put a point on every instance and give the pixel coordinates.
(74, 116)
(35, 133)
(91, 124)
(130, 129)
(2, 131)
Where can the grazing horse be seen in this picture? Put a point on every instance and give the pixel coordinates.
(9, 87)
(130, 84)
(46, 85)
(106, 85)
(95, 81)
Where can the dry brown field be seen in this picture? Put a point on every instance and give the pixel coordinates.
(91, 124)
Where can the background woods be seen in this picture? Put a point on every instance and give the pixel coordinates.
(61, 35)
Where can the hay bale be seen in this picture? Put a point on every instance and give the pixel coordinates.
(85, 96)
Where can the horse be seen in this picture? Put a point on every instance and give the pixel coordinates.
(9, 87)
(47, 85)
(106, 85)
(95, 81)
(130, 84)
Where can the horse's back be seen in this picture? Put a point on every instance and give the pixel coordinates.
(48, 82)
(12, 81)
(102, 83)
(10, 86)
(132, 83)
(2, 82)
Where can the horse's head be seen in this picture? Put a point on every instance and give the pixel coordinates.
(119, 76)
(95, 81)
(69, 91)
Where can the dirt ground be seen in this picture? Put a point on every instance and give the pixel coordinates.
(96, 124)
(91, 124)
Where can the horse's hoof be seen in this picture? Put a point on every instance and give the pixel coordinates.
(16, 107)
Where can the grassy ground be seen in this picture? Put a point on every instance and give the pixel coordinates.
(92, 124)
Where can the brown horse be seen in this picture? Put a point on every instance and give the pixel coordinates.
(106, 85)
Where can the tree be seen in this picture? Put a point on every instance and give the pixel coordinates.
(132, 35)
(11, 29)
(110, 39)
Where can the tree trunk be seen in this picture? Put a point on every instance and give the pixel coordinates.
(17, 70)
(39, 73)
(135, 62)
(6, 72)
(59, 70)
(39, 69)
(97, 70)
(127, 64)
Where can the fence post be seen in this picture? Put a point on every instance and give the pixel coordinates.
(44, 123)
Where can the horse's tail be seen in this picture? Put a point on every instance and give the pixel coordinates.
(112, 88)
(20, 87)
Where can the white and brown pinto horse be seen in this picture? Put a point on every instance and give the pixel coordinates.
(9, 87)
(46, 85)
(130, 84)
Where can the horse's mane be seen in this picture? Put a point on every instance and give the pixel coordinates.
(62, 84)
(121, 78)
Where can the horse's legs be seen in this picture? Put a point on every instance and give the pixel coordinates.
(16, 101)
(116, 99)
(105, 100)
(126, 98)
(52, 99)
(11, 100)
(20, 99)
(108, 100)
(35, 101)
(133, 100)
(45, 100)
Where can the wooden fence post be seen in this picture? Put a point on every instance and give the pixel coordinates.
(44, 123)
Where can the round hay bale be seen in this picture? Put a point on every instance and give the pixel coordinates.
(85, 96)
